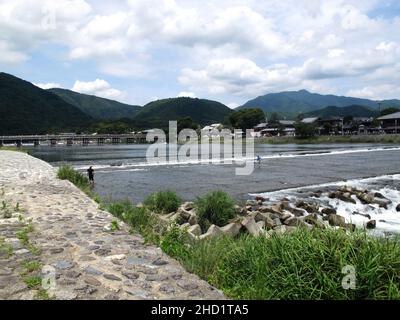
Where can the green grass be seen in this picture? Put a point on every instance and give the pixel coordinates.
(395, 139)
(5, 249)
(141, 220)
(163, 202)
(302, 265)
(77, 178)
(33, 282)
(31, 266)
(215, 208)
(21, 149)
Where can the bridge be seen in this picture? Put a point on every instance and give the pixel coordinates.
(73, 139)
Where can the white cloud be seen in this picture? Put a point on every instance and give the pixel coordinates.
(187, 94)
(46, 86)
(218, 48)
(378, 92)
(240, 77)
(233, 105)
(100, 88)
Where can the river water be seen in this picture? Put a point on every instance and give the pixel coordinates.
(122, 172)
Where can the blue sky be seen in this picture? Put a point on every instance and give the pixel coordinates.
(136, 51)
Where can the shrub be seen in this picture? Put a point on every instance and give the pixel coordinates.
(215, 208)
(77, 178)
(163, 202)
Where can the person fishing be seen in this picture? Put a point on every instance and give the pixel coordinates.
(90, 172)
(259, 160)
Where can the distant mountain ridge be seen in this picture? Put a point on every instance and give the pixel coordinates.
(27, 109)
(159, 113)
(96, 107)
(303, 101)
(348, 111)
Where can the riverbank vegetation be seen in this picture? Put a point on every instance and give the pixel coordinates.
(303, 264)
(389, 139)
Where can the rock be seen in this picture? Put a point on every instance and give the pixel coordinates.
(365, 198)
(188, 206)
(328, 211)
(371, 224)
(232, 229)
(102, 252)
(195, 230)
(251, 203)
(73, 274)
(193, 220)
(280, 230)
(362, 214)
(212, 232)
(185, 226)
(312, 219)
(379, 195)
(185, 214)
(93, 271)
(187, 285)
(261, 224)
(156, 277)
(251, 226)
(346, 197)
(306, 206)
(351, 226)
(336, 220)
(115, 257)
(92, 281)
(130, 275)
(262, 199)
(64, 265)
(112, 277)
(383, 203)
(286, 216)
(277, 222)
(160, 262)
(56, 250)
(295, 222)
(266, 219)
(398, 208)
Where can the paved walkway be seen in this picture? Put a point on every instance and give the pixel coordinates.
(69, 242)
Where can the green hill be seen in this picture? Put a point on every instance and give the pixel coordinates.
(27, 109)
(159, 113)
(349, 111)
(303, 101)
(96, 107)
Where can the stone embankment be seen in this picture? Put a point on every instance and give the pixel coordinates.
(55, 243)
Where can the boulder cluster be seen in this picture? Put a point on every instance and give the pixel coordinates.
(261, 217)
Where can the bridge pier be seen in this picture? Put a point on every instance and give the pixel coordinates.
(100, 141)
(53, 142)
(70, 142)
(116, 140)
(36, 143)
(85, 142)
(1, 143)
(19, 143)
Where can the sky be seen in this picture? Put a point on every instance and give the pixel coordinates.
(137, 51)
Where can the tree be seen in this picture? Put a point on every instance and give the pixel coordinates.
(387, 111)
(305, 130)
(274, 117)
(247, 118)
(187, 123)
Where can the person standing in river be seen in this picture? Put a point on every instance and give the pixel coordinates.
(90, 172)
